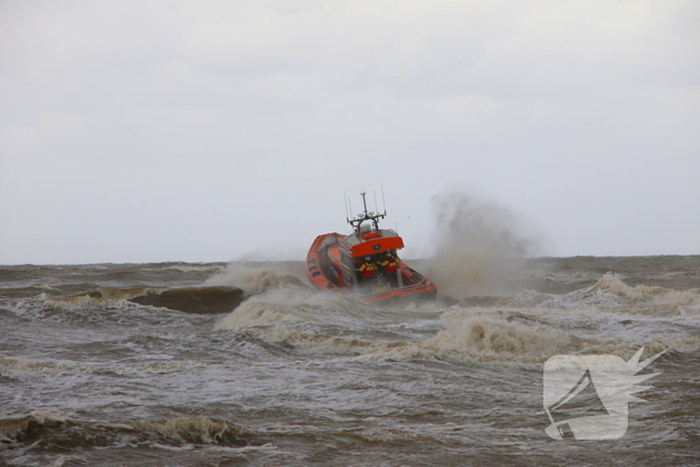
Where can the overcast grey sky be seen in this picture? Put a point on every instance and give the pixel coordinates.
(214, 130)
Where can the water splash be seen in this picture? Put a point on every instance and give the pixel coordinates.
(480, 245)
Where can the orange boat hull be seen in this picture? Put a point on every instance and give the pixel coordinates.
(324, 274)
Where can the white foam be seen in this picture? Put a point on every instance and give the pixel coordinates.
(253, 279)
(610, 293)
(11, 427)
(527, 330)
(611, 284)
(251, 314)
(302, 305)
(465, 335)
(102, 299)
(469, 337)
(192, 430)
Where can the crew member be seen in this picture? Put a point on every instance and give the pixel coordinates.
(391, 267)
(366, 270)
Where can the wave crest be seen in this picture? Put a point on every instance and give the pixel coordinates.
(198, 430)
(482, 338)
(52, 430)
(254, 280)
(612, 284)
(99, 299)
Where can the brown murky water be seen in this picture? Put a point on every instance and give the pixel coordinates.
(295, 377)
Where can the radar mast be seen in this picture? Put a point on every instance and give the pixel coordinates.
(366, 216)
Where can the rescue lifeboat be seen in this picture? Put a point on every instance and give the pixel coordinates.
(365, 263)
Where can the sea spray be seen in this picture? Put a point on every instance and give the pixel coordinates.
(479, 245)
(253, 279)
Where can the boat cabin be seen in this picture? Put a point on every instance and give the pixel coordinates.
(366, 263)
(367, 258)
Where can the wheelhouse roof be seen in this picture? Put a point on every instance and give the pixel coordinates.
(372, 242)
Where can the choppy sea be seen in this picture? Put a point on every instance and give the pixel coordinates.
(294, 377)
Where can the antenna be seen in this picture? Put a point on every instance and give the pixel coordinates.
(376, 209)
(365, 216)
(383, 200)
(345, 202)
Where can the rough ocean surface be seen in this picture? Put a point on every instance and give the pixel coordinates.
(296, 377)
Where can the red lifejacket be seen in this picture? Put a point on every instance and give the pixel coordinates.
(390, 265)
(367, 269)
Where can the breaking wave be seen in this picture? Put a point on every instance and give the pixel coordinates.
(610, 285)
(467, 337)
(304, 307)
(611, 293)
(99, 299)
(254, 279)
(199, 430)
(523, 329)
(54, 431)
